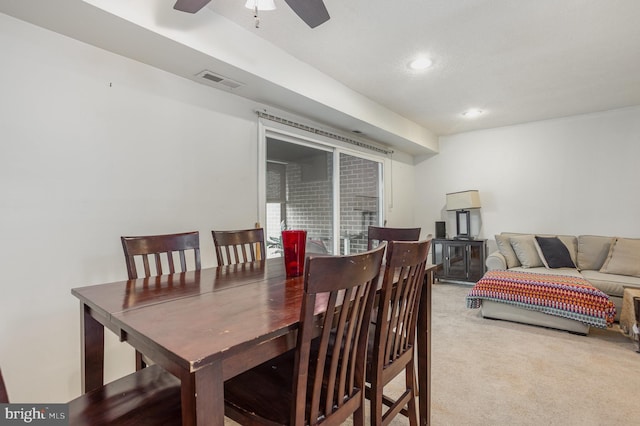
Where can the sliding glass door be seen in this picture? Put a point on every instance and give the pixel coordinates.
(321, 189)
(359, 201)
(299, 194)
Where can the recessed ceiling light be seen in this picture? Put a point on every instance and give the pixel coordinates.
(473, 113)
(421, 63)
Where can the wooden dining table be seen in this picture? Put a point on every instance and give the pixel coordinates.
(207, 326)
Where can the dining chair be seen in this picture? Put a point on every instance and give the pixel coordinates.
(162, 249)
(245, 245)
(154, 251)
(376, 234)
(147, 397)
(322, 379)
(393, 334)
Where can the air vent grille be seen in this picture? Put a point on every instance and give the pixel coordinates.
(217, 80)
(212, 77)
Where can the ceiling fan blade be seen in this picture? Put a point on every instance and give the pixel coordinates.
(190, 6)
(313, 12)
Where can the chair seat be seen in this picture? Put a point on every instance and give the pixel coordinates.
(271, 384)
(150, 396)
(265, 390)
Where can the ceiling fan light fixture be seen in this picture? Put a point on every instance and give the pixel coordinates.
(421, 63)
(260, 4)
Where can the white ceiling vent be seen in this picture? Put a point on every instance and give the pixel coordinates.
(217, 80)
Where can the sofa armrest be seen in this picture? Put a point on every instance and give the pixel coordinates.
(496, 261)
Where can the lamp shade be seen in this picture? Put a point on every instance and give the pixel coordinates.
(261, 4)
(463, 200)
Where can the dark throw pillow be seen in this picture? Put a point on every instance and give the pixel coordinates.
(555, 252)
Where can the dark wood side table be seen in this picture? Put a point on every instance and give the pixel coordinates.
(461, 260)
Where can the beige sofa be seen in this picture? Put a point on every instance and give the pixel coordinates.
(608, 263)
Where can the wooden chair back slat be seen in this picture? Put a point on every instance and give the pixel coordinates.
(240, 246)
(376, 234)
(161, 248)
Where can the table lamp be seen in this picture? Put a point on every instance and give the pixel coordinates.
(461, 202)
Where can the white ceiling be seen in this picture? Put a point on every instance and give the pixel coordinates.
(519, 61)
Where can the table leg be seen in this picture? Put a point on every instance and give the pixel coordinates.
(424, 352)
(92, 348)
(203, 397)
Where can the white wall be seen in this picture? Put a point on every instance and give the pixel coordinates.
(576, 175)
(400, 191)
(94, 146)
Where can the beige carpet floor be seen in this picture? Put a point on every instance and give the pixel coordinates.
(488, 372)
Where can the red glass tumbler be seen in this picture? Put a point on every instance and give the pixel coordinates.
(294, 243)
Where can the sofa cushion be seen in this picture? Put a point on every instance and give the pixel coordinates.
(623, 258)
(553, 253)
(593, 251)
(611, 284)
(525, 248)
(505, 249)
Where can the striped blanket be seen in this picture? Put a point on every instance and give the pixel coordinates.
(563, 296)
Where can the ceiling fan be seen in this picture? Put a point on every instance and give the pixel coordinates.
(312, 12)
